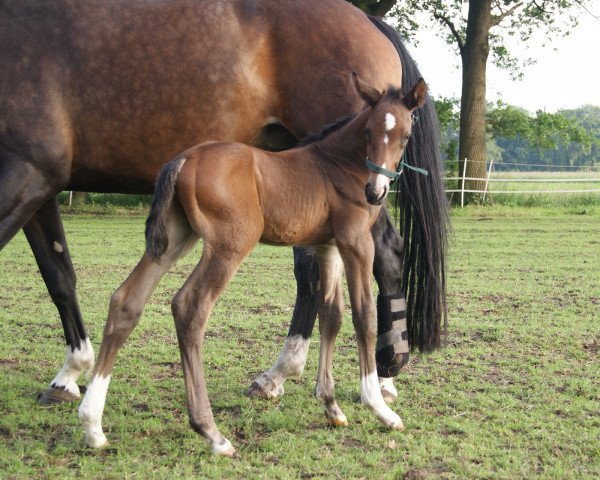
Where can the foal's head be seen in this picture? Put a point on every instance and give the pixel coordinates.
(388, 129)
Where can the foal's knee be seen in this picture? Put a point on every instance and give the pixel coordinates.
(124, 312)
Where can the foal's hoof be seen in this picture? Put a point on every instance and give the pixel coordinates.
(96, 440)
(225, 449)
(265, 388)
(340, 421)
(57, 395)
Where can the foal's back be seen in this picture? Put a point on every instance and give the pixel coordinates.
(240, 193)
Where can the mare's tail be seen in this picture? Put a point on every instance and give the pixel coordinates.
(424, 220)
(157, 239)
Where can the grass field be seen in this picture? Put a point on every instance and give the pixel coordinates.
(542, 189)
(515, 394)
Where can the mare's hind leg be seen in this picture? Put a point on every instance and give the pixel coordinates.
(291, 360)
(331, 310)
(126, 307)
(46, 237)
(192, 307)
(391, 357)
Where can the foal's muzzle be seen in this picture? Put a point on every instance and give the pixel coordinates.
(376, 196)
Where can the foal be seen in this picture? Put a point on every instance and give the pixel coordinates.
(233, 196)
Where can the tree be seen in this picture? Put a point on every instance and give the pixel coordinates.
(480, 27)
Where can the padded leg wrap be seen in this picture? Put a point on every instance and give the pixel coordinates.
(392, 349)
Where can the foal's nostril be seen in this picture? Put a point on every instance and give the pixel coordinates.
(372, 197)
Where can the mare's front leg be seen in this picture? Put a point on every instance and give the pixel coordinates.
(126, 307)
(358, 260)
(392, 350)
(46, 237)
(291, 360)
(192, 307)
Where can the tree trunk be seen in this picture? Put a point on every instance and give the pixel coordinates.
(474, 54)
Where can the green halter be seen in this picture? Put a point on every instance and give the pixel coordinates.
(390, 173)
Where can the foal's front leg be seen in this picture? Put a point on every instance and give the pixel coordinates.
(358, 260)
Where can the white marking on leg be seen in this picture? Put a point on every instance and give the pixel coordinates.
(58, 248)
(79, 360)
(91, 410)
(390, 121)
(289, 364)
(388, 390)
(370, 395)
(226, 448)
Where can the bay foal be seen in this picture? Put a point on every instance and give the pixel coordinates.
(233, 196)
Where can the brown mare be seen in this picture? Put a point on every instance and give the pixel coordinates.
(233, 196)
(96, 94)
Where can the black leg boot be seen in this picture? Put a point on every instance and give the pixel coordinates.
(392, 349)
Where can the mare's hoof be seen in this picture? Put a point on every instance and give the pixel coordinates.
(388, 390)
(57, 395)
(264, 388)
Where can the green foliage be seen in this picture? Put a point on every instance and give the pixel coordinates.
(567, 138)
(447, 110)
(509, 19)
(543, 130)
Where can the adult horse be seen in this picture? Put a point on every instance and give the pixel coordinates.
(95, 95)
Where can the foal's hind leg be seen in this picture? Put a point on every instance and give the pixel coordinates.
(46, 237)
(126, 307)
(192, 307)
(330, 320)
(291, 360)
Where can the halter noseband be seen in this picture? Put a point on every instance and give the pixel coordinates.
(390, 173)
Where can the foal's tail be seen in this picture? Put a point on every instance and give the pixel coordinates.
(157, 239)
(424, 220)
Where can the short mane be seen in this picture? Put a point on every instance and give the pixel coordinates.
(391, 92)
(315, 137)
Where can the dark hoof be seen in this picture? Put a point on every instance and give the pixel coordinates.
(391, 368)
(256, 390)
(259, 391)
(57, 395)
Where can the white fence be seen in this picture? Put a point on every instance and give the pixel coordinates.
(491, 179)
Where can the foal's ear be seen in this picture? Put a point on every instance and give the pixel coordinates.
(417, 95)
(368, 93)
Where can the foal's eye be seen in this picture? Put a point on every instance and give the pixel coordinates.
(368, 133)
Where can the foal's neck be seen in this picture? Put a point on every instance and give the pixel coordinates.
(346, 147)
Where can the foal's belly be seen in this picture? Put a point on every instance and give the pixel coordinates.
(297, 232)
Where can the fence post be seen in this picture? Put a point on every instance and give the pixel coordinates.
(487, 179)
(70, 198)
(462, 189)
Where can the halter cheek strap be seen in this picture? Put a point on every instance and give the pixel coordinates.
(390, 173)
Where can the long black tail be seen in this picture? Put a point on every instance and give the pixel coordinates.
(157, 239)
(424, 220)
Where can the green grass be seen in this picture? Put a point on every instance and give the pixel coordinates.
(515, 394)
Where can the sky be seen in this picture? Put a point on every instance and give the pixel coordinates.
(566, 75)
